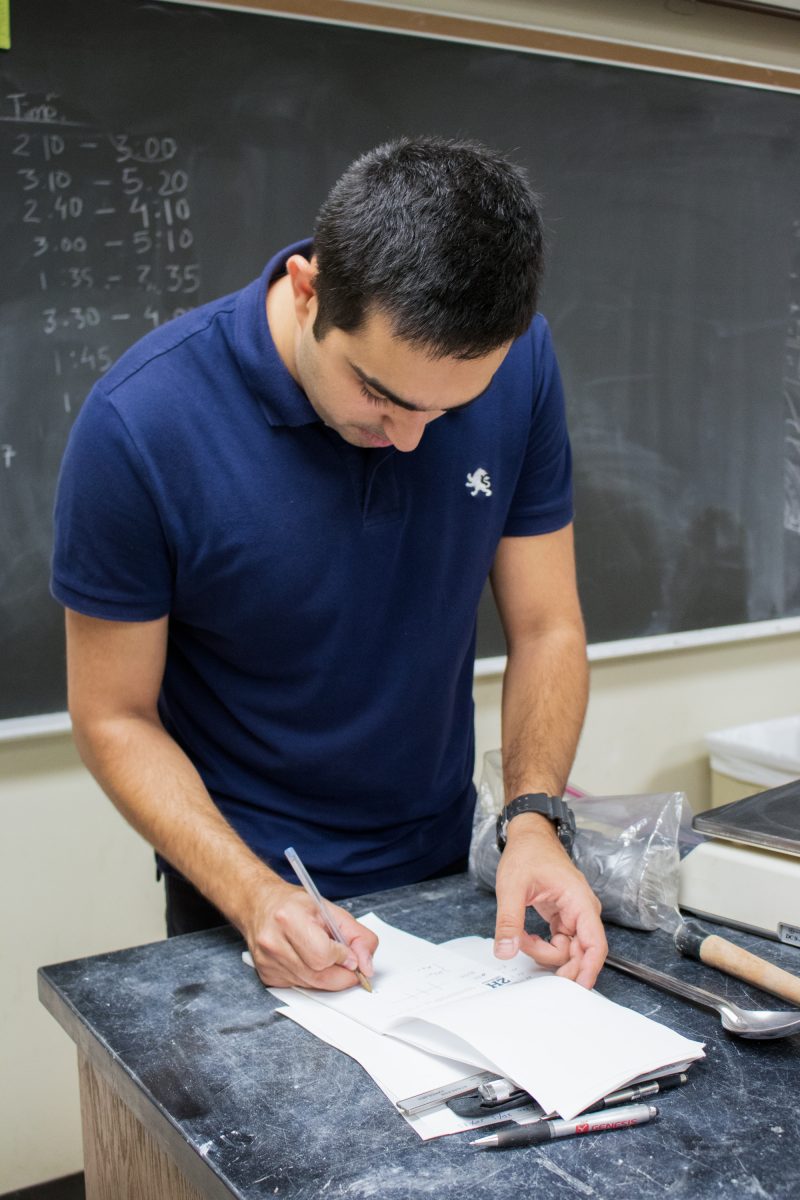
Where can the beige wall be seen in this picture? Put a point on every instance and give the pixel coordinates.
(76, 881)
(648, 716)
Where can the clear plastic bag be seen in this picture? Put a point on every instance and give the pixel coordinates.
(626, 846)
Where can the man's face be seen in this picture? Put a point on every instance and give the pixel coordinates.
(376, 390)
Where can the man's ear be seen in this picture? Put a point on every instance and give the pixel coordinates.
(302, 273)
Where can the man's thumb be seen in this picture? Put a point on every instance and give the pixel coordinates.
(509, 927)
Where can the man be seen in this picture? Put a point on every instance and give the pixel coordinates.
(275, 518)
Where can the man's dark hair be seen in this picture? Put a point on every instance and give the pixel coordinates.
(441, 236)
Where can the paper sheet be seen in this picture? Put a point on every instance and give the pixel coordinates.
(398, 1069)
(411, 975)
(565, 1045)
(632, 1045)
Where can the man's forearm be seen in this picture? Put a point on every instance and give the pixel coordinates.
(545, 690)
(157, 789)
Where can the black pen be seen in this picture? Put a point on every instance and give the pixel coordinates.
(546, 1131)
(642, 1091)
(505, 1096)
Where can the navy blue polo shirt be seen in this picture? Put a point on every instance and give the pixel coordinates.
(321, 597)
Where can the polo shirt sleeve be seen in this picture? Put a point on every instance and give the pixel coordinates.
(110, 558)
(542, 500)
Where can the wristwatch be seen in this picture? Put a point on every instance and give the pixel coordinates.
(552, 807)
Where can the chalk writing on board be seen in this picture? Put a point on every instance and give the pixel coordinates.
(106, 222)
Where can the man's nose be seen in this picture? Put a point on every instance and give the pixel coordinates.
(405, 429)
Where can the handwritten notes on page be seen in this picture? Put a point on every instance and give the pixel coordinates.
(411, 975)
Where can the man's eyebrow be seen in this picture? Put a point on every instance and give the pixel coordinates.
(407, 404)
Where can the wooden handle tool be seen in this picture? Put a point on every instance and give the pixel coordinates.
(693, 941)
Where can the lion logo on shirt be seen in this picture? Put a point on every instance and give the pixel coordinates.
(479, 480)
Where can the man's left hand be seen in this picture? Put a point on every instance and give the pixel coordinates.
(535, 870)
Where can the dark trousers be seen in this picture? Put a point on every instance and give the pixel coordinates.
(188, 911)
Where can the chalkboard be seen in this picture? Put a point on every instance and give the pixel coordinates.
(154, 155)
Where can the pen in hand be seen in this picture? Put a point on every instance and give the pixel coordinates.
(313, 891)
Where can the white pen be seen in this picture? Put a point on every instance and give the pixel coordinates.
(313, 891)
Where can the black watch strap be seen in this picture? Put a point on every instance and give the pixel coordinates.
(552, 807)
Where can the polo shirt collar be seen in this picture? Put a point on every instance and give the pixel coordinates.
(283, 401)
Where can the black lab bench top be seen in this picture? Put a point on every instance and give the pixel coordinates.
(249, 1105)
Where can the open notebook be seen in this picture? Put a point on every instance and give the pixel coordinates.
(566, 1046)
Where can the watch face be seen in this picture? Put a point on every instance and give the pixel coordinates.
(500, 831)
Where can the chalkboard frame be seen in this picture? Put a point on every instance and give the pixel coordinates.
(483, 31)
(448, 27)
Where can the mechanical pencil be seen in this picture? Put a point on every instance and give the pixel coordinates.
(313, 891)
(546, 1131)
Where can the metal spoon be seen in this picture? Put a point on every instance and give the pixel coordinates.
(746, 1022)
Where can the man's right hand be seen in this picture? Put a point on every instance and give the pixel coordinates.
(292, 948)
(115, 674)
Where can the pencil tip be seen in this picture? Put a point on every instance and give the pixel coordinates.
(365, 983)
